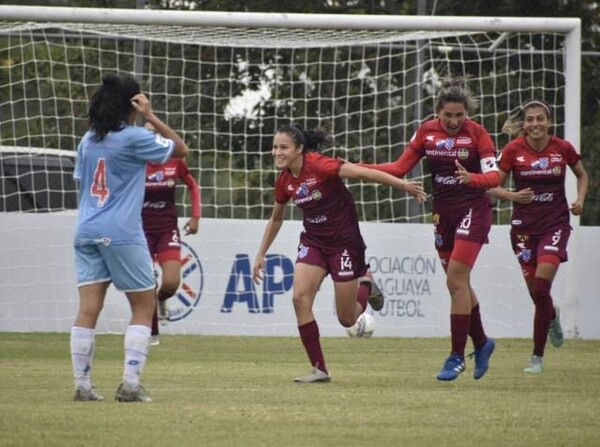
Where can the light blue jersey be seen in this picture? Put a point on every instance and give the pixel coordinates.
(111, 175)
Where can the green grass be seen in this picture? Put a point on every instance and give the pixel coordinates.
(238, 391)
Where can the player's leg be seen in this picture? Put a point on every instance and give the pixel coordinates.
(171, 278)
(465, 253)
(93, 279)
(308, 275)
(132, 273)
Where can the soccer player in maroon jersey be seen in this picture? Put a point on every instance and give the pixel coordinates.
(540, 220)
(159, 216)
(462, 160)
(331, 242)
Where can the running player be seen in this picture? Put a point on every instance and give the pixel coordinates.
(159, 217)
(540, 226)
(331, 242)
(462, 160)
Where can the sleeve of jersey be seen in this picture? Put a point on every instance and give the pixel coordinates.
(571, 154)
(78, 169)
(400, 167)
(490, 178)
(328, 167)
(193, 189)
(281, 195)
(152, 147)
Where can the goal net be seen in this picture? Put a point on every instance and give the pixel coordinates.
(226, 82)
(226, 90)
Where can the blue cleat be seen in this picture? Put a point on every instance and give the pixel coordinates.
(452, 368)
(482, 358)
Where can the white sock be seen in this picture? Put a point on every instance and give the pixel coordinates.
(137, 341)
(82, 355)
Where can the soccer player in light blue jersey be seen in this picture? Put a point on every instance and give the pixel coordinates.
(110, 245)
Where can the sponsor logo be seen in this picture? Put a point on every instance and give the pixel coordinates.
(317, 220)
(544, 197)
(445, 179)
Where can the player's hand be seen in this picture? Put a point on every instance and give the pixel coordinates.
(416, 190)
(141, 103)
(258, 269)
(191, 227)
(463, 176)
(523, 196)
(576, 208)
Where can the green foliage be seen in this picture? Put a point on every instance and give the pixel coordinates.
(232, 391)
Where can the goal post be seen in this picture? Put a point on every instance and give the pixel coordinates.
(227, 81)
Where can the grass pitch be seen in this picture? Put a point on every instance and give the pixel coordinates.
(238, 391)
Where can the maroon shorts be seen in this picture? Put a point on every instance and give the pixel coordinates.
(469, 224)
(343, 264)
(164, 245)
(529, 247)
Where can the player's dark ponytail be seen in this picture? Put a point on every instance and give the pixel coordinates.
(110, 106)
(313, 140)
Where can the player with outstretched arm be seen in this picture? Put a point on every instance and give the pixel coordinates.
(331, 242)
(462, 160)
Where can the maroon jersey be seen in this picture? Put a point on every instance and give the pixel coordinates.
(160, 212)
(544, 172)
(330, 218)
(468, 146)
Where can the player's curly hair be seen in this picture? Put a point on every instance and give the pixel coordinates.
(313, 140)
(110, 106)
(455, 89)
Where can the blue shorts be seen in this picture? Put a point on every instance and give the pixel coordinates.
(129, 267)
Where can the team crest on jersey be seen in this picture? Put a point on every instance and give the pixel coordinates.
(302, 190)
(435, 217)
(189, 293)
(523, 237)
(302, 251)
(540, 164)
(157, 176)
(463, 153)
(556, 170)
(316, 195)
(524, 255)
(447, 143)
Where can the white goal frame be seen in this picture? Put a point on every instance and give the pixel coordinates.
(570, 27)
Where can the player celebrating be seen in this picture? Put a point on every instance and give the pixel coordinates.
(462, 159)
(540, 221)
(159, 217)
(331, 242)
(109, 240)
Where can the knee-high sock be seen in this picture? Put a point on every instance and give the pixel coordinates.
(364, 290)
(544, 312)
(459, 329)
(309, 334)
(137, 341)
(476, 331)
(82, 355)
